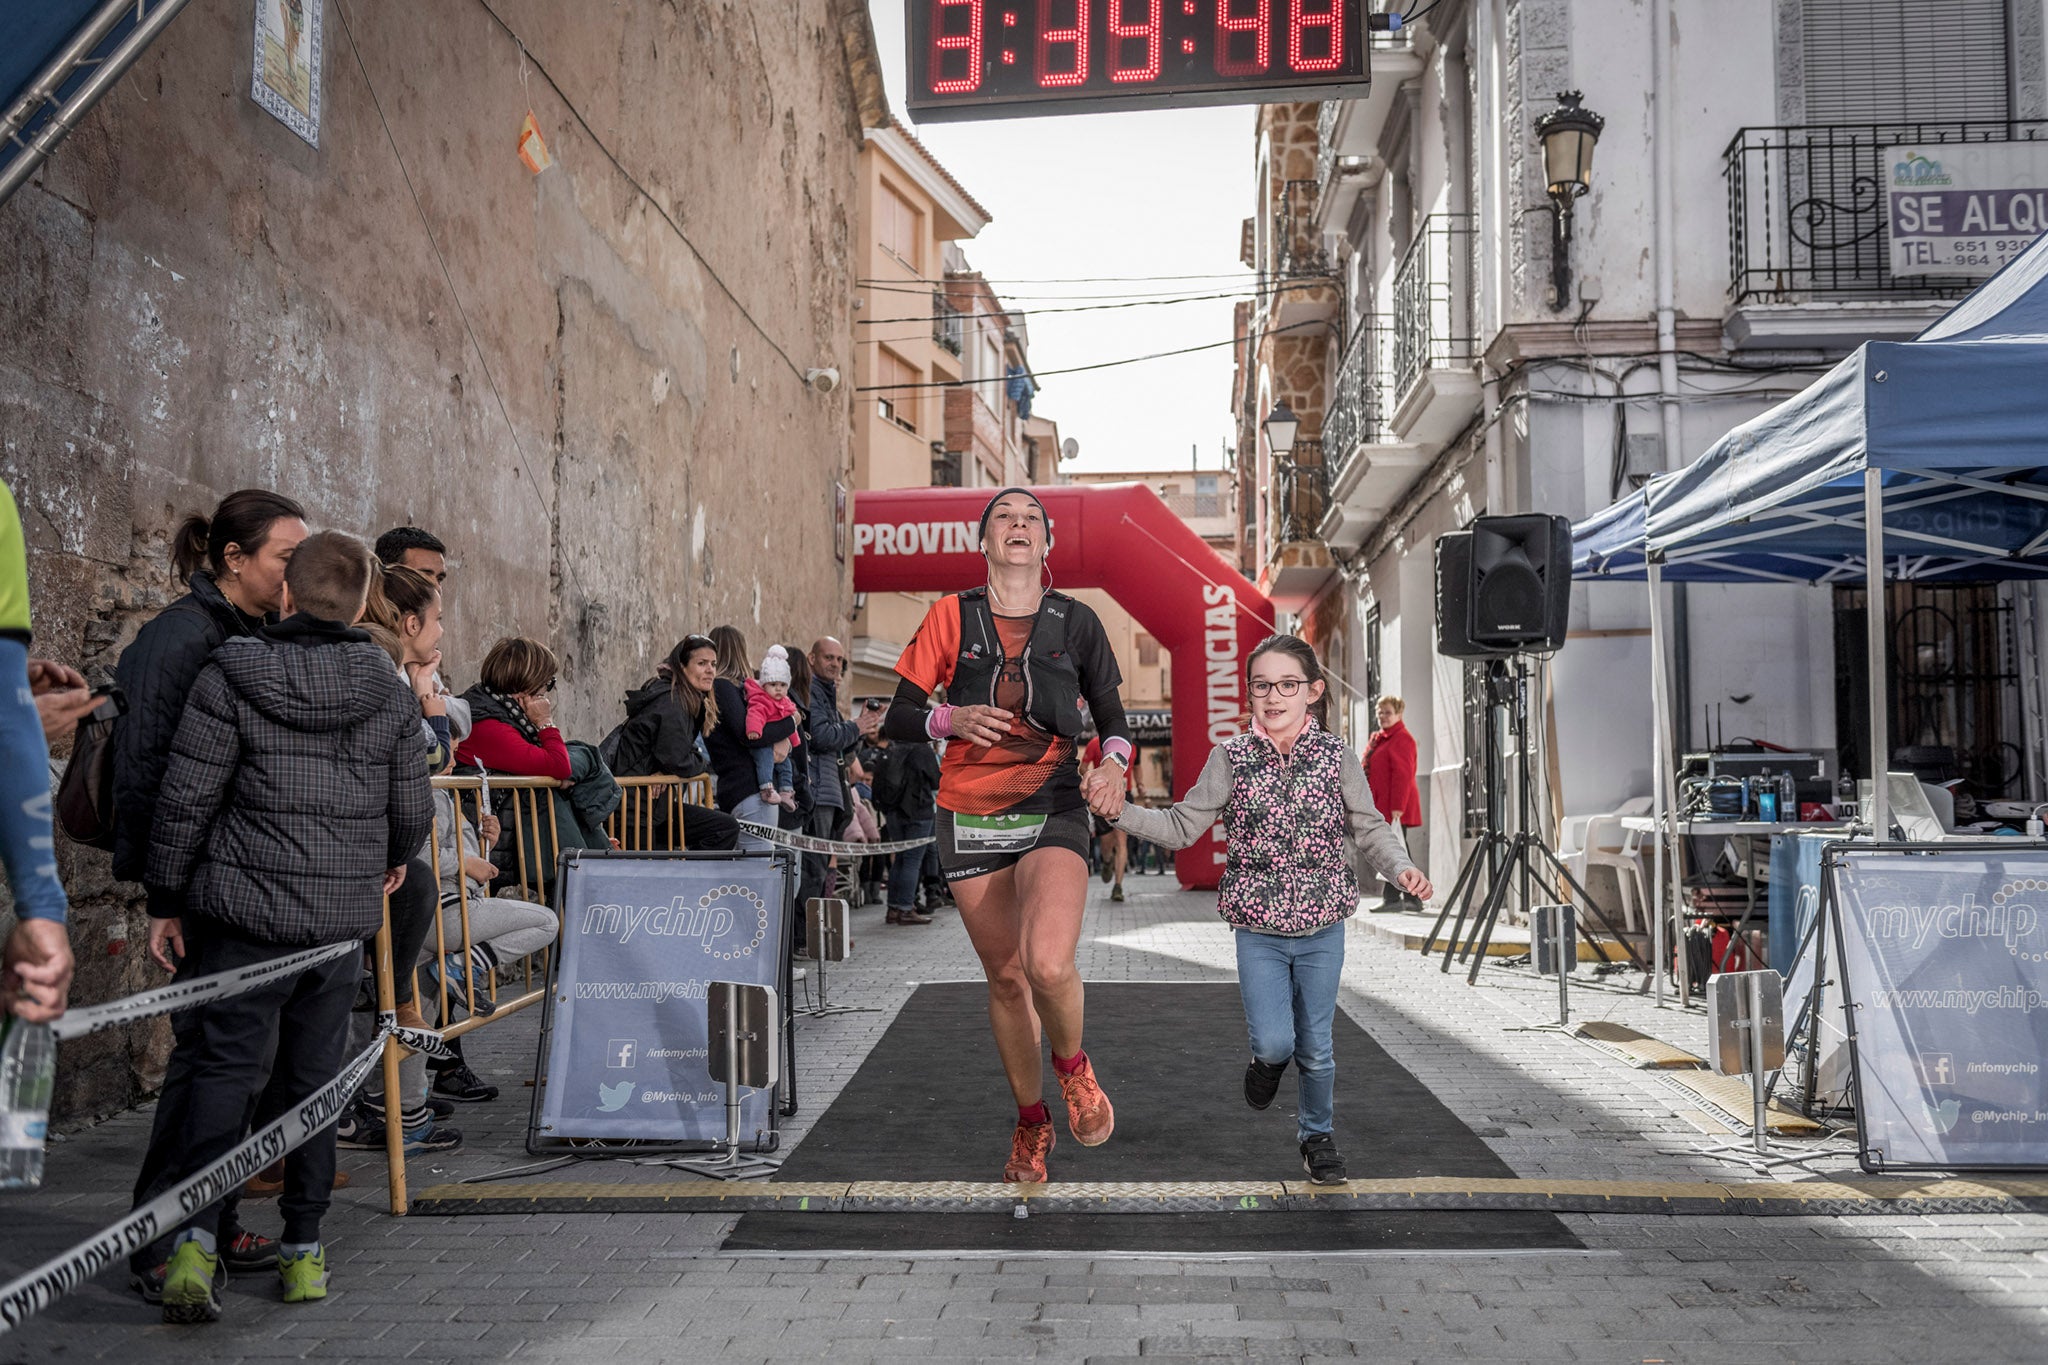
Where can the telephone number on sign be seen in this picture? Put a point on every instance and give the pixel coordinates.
(1984, 250)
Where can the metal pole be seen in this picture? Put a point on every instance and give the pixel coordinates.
(1565, 915)
(37, 148)
(1874, 642)
(732, 1077)
(1753, 1039)
(1660, 966)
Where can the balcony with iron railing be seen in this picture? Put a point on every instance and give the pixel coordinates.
(1435, 391)
(1298, 565)
(1351, 128)
(1360, 396)
(1808, 230)
(1301, 495)
(948, 325)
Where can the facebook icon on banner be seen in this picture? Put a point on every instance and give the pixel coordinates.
(619, 1053)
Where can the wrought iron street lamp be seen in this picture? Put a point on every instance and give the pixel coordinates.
(1281, 424)
(1568, 133)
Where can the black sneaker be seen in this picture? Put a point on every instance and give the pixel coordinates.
(249, 1252)
(1321, 1159)
(150, 1283)
(461, 1084)
(439, 1107)
(1262, 1082)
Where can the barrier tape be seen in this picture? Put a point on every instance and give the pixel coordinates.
(419, 1040)
(811, 843)
(23, 1298)
(180, 994)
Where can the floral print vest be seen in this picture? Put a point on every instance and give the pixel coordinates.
(1288, 865)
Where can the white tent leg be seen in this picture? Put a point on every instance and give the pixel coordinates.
(1662, 800)
(1874, 642)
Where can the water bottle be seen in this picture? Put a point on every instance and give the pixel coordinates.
(1788, 797)
(1767, 799)
(28, 1074)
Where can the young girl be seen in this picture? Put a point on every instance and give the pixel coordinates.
(767, 702)
(1291, 798)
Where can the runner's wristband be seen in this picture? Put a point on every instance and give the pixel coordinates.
(1119, 749)
(939, 724)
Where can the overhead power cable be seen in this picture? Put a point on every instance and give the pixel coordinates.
(1249, 286)
(1044, 312)
(1075, 279)
(1083, 369)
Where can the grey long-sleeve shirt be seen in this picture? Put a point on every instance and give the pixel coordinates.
(1182, 823)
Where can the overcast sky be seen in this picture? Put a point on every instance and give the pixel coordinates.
(1123, 195)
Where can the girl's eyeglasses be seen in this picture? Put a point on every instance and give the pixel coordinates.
(1286, 687)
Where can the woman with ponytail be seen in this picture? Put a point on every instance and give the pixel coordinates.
(232, 564)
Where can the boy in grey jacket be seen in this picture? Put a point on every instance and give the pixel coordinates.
(295, 795)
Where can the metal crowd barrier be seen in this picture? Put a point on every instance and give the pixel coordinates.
(649, 817)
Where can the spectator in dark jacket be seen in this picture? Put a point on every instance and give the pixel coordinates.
(234, 564)
(295, 795)
(906, 793)
(832, 738)
(732, 761)
(668, 718)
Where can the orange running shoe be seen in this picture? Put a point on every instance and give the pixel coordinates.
(1028, 1150)
(1090, 1118)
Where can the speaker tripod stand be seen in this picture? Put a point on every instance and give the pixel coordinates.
(1500, 859)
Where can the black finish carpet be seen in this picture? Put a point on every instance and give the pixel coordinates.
(930, 1103)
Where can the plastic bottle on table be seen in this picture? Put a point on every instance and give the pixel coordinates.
(28, 1073)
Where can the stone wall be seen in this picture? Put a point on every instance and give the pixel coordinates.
(588, 382)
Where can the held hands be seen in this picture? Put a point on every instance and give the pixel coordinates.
(1103, 790)
(35, 971)
(1415, 884)
(980, 725)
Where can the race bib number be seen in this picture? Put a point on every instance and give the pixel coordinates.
(996, 833)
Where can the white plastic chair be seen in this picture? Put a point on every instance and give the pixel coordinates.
(1608, 844)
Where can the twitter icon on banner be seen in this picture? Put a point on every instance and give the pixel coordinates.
(612, 1098)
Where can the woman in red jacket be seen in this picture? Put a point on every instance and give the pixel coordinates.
(1390, 773)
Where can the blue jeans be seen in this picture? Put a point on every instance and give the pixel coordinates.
(905, 866)
(769, 771)
(1290, 1000)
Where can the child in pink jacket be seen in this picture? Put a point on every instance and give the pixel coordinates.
(767, 702)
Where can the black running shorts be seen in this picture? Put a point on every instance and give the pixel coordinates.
(975, 845)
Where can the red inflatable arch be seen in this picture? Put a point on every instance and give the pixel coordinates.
(1117, 537)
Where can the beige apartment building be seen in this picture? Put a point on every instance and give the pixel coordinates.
(925, 317)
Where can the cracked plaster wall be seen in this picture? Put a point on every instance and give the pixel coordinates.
(193, 300)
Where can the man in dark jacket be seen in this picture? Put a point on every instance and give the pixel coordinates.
(906, 793)
(295, 795)
(831, 737)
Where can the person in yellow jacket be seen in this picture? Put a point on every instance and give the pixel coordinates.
(36, 962)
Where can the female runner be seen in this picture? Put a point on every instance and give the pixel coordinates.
(1019, 662)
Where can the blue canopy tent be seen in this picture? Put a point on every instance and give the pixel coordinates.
(1928, 458)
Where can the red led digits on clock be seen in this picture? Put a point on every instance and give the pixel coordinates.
(1300, 22)
(1073, 68)
(1253, 54)
(1121, 35)
(968, 42)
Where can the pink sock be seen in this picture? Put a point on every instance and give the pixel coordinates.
(1033, 1114)
(1067, 1066)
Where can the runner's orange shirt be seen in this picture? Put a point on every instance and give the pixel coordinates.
(1028, 770)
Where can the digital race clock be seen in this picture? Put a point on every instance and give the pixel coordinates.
(1005, 58)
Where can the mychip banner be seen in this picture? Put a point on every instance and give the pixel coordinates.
(1945, 963)
(643, 938)
(1964, 208)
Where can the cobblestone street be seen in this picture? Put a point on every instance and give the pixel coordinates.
(637, 1287)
